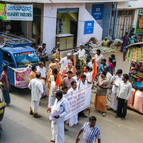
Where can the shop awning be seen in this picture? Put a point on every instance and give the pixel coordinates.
(63, 1)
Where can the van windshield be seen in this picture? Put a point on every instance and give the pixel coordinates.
(24, 59)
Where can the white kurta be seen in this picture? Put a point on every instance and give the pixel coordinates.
(73, 120)
(98, 59)
(108, 95)
(81, 54)
(36, 87)
(64, 62)
(59, 108)
(83, 85)
(114, 103)
(52, 94)
(43, 71)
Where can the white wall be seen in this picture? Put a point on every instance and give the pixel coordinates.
(49, 24)
(131, 4)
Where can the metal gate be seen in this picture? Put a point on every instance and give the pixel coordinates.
(124, 23)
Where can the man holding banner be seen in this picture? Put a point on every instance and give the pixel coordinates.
(73, 120)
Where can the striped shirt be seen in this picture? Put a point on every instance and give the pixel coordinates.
(90, 134)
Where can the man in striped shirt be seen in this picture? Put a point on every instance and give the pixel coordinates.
(90, 131)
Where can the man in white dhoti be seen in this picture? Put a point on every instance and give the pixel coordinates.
(52, 91)
(82, 85)
(109, 78)
(73, 120)
(36, 87)
(58, 113)
(117, 79)
(43, 72)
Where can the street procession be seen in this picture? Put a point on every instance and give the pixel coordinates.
(71, 72)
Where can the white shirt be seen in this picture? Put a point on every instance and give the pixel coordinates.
(90, 64)
(117, 80)
(81, 54)
(64, 62)
(43, 71)
(77, 80)
(83, 85)
(59, 108)
(71, 91)
(98, 59)
(89, 76)
(36, 87)
(109, 77)
(124, 91)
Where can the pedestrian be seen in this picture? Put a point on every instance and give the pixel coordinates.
(102, 66)
(83, 83)
(73, 120)
(115, 82)
(81, 54)
(109, 90)
(42, 69)
(52, 91)
(100, 98)
(37, 90)
(110, 65)
(69, 67)
(64, 61)
(98, 57)
(33, 72)
(123, 95)
(58, 112)
(125, 42)
(5, 85)
(113, 62)
(91, 132)
(67, 80)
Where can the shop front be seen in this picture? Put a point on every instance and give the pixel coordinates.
(68, 26)
(21, 19)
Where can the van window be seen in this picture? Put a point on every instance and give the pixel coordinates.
(7, 57)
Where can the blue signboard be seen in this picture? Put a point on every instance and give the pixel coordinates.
(88, 27)
(97, 11)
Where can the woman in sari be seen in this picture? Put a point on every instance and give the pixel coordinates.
(100, 98)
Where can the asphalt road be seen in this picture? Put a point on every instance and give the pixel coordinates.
(19, 127)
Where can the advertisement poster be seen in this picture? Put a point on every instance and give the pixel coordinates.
(22, 78)
(19, 12)
(139, 26)
(97, 11)
(88, 27)
(3, 12)
(78, 101)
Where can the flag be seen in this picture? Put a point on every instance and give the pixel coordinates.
(58, 80)
(82, 69)
(74, 60)
(94, 70)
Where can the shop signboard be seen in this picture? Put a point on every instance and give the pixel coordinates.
(19, 12)
(139, 26)
(88, 27)
(97, 11)
(2, 11)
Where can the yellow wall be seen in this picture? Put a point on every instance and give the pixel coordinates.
(66, 21)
